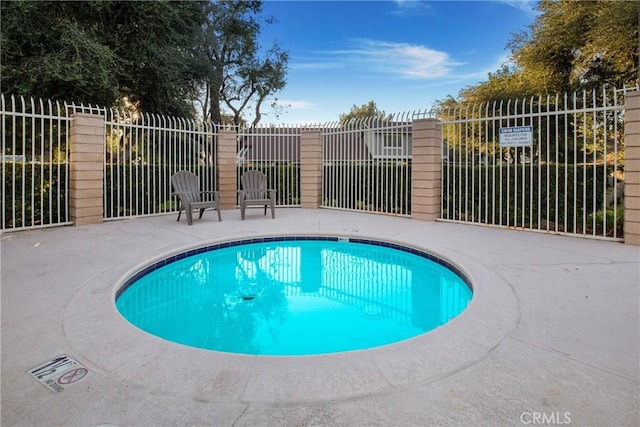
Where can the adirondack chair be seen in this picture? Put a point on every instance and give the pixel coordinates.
(255, 193)
(186, 187)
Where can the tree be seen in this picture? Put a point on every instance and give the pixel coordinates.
(572, 45)
(239, 74)
(157, 43)
(100, 52)
(365, 111)
(64, 59)
(506, 83)
(580, 45)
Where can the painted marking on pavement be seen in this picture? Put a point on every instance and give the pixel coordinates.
(58, 372)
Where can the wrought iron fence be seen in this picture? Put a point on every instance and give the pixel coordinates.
(562, 173)
(367, 165)
(276, 152)
(33, 160)
(141, 154)
(565, 174)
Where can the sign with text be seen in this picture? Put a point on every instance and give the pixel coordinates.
(59, 372)
(519, 136)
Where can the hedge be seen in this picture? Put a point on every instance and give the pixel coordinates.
(380, 187)
(152, 193)
(45, 183)
(285, 178)
(488, 203)
(132, 190)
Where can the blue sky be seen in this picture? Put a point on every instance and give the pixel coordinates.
(403, 54)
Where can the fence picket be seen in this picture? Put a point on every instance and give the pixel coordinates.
(567, 181)
(576, 189)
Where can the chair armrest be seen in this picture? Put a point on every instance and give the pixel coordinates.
(216, 193)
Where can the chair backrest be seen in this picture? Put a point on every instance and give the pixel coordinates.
(254, 183)
(187, 184)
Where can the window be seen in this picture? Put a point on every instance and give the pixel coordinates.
(394, 144)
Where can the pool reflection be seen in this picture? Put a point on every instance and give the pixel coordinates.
(293, 298)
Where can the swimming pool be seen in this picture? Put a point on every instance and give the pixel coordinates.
(294, 295)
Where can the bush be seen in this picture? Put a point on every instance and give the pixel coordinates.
(613, 220)
(132, 190)
(34, 194)
(565, 196)
(380, 187)
(284, 178)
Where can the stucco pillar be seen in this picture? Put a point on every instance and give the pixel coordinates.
(227, 168)
(426, 169)
(86, 169)
(632, 169)
(310, 168)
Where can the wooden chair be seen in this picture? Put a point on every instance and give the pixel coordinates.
(255, 193)
(186, 187)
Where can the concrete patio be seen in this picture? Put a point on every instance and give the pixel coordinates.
(552, 334)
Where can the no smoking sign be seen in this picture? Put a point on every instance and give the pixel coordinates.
(72, 375)
(59, 372)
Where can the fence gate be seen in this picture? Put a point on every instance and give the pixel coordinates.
(553, 164)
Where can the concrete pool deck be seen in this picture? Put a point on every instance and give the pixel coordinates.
(552, 334)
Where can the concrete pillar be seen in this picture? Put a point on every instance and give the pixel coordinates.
(227, 168)
(310, 168)
(632, 169)
(426, 169)
(86, 169)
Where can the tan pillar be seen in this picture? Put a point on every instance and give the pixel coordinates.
(632, 169)
(86, 168)
(310, 168)
(426, 169)
(227, 168)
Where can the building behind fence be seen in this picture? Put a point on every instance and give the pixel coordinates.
(579, 174)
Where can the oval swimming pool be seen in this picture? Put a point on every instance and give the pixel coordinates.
(294, 295)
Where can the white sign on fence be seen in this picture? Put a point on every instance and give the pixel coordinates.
(519, 136)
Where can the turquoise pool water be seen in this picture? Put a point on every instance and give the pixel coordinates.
(294, 296)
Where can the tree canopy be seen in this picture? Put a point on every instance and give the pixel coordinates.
(365, 111)
(156, 55)
(239, 73)
(101, 52)
(572, 45)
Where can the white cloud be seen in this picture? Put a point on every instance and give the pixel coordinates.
(295, 105)
(402, 59)
(298, 66)
(467, 78)
(412, 8)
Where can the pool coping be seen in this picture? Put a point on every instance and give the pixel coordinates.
(553, 328)
(492, 314)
